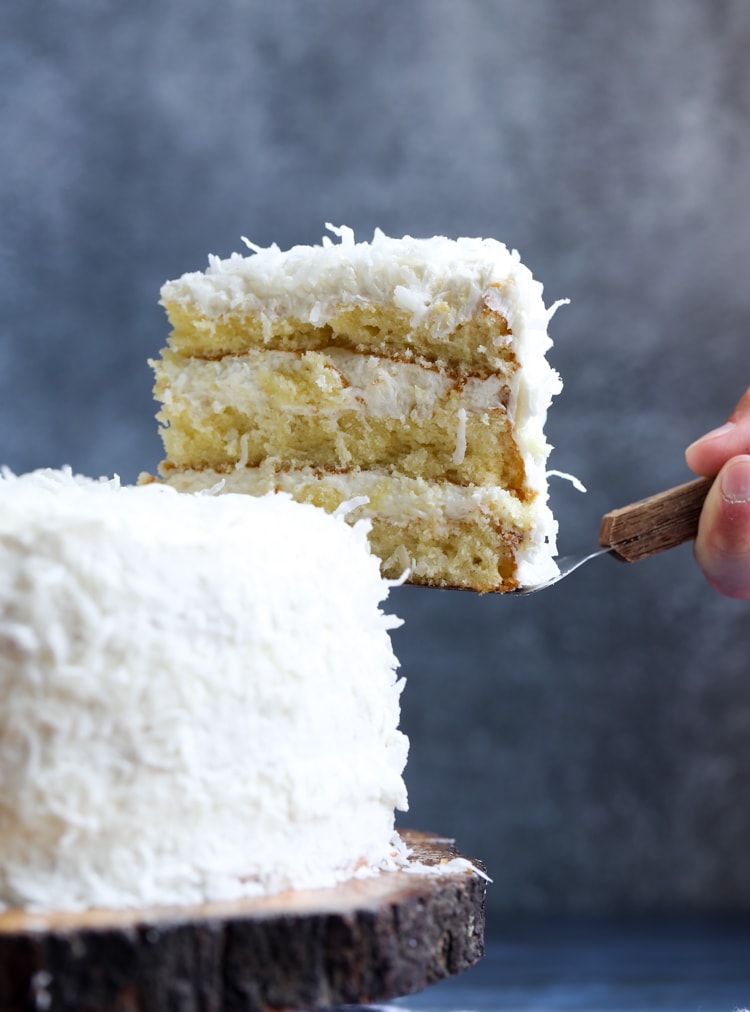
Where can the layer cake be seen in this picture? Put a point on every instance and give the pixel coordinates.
(405, 376)
(199, 697)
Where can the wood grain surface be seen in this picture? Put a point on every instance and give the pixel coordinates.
(655, 524)
(363, 941)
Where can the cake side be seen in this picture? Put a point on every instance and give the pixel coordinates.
(181, 719)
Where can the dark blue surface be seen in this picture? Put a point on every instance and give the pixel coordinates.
(662, 964)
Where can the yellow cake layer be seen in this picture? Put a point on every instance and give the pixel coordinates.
(334, 409)
(445, 535)
(479, 346)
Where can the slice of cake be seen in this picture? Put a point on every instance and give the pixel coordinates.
(199, 696)
(407, 375)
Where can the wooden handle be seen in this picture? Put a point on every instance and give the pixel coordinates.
(653, 525)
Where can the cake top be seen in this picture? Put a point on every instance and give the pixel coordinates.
(438, 281)
(151, 544)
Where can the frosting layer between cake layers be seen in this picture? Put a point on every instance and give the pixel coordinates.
(199, 694)
(418, 364)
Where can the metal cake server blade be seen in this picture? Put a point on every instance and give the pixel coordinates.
(640, 530)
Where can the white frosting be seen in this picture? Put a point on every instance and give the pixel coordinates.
(348, 382)
(199, 696)
(408, 500)
(440, 282)
(391, 389)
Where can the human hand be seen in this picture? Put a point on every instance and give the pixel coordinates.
(722, 547)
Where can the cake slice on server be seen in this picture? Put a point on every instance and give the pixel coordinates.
(408, 375)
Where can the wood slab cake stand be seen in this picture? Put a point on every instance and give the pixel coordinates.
(364, 941)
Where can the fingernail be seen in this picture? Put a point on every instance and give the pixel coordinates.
(715, 433)
(735, 481)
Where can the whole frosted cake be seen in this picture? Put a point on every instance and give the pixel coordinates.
(408, 374)
(199, 696)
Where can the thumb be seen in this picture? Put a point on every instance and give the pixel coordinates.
(707, 454)
(722, 547)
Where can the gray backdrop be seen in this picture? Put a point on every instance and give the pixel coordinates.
(590, 743)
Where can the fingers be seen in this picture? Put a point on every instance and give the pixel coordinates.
(708, 454)
(722, 547)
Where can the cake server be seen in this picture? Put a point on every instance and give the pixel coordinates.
(642, 529)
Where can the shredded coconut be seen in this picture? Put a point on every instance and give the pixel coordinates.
(575, 482)
(460, 451)
(181, 717)
(243, 457)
